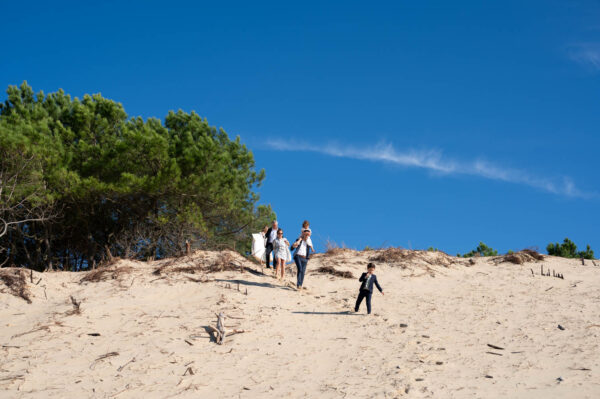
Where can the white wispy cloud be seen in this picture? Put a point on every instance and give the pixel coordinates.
(586, 54)
(434, 161)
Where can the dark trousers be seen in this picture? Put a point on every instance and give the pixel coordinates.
(301, 263)
(268, 250)
(363, 294)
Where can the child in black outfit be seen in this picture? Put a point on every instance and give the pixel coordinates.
(366, 288)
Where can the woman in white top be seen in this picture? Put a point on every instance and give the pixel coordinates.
(280, 247)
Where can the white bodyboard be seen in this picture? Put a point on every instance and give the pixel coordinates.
(258, 246)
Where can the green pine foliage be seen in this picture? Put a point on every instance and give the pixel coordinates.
(568, 249)
(126, 186)
(481, 250)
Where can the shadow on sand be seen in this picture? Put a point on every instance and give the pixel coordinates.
(253, 284)
(210, 331)
(345, 312)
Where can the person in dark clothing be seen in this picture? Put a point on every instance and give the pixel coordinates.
(270, 236)
(366, 287)
(301, 256)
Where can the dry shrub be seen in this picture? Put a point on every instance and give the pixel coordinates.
(223, 262)
(105, 273)
(198, 266)
(534, 254)
(335, 272)
(513, 258)
(411, 258)
(391, 255)
(16, 282)
(518, 258)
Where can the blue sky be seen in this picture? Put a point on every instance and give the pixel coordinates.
(413, 124)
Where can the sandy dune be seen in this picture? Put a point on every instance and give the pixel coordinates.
(144, 333)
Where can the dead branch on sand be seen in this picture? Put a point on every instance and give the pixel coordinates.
(106, 355)
(42, 328)
(76, 307)
(105, 273)
(16, 282)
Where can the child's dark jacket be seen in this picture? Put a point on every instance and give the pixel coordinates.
(369, 286)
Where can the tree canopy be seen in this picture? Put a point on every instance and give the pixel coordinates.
(568, 249)
(87, 183)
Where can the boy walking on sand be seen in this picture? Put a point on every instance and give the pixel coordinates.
(366, 288)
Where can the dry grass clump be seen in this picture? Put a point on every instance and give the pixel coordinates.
(105, 273)
(331, 270)
(192, 268)
(533, 254)
(392, 255)
(15, 281)
(405, 258)
(223, 262)
(518, 258)
(332, 249)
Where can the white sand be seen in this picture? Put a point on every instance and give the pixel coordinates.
(303, 344)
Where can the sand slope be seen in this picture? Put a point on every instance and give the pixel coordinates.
(427, 338)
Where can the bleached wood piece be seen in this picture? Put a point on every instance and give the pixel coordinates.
(221, 328)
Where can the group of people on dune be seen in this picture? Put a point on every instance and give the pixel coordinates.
(277, 245)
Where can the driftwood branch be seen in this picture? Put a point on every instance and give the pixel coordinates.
(220, 332)
(221, 328)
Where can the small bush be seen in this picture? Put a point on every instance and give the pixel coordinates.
(481, 250)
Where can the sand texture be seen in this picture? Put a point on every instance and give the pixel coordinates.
(140, 329)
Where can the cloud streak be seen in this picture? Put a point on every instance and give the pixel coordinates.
(434, 161)
(586, 54)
